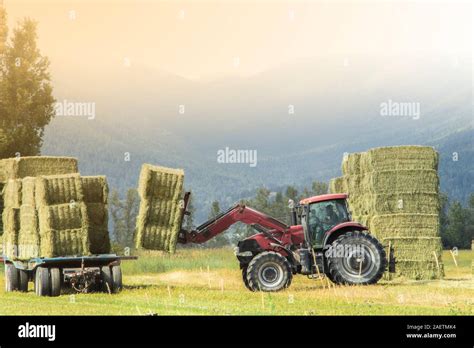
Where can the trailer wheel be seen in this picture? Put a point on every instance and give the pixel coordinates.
(23, 278)
(107, 280)
(269, 271)
(12, 281)
(362, 260)
(42, 281)
(55, 280)
(117, 279)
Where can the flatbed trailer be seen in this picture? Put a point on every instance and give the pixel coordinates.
(80, 273)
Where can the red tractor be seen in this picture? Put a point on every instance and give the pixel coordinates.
(322, 240)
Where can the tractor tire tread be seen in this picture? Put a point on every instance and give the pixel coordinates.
(252, 279)
(335, 275)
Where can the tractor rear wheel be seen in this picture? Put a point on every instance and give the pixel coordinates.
(244, 277)
(269, 271)
(356, 258)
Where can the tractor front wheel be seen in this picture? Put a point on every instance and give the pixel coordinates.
(268, 271)
(356, 258)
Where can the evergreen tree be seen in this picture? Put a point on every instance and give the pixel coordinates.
(456, 226)
(319, 188)
(124, 214)
(26, 101)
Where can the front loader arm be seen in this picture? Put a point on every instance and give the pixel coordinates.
(219, 224)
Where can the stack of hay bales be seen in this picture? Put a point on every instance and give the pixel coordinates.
(395, 192)
(159, 217)
(21, 167)
(62, 216)
(49, 215)
(96, 194)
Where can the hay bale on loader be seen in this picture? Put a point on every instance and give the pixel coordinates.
(96, 193)
(159, 217)
(395, 192)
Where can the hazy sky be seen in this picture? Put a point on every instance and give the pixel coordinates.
(205, 39)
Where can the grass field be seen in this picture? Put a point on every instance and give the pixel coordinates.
(208, 282)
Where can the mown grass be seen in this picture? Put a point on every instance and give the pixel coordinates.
(205, 282)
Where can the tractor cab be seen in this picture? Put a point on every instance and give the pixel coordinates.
(320, 214)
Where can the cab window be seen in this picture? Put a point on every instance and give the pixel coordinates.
(325, 215)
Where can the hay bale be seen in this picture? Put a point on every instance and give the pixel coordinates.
(58, 189)
(28, 237)
(12, 194)
(98, 231)
(11, 224)
(2, 206)
(337, 185)
(405, 225)
(96, 193)
(395, 181)
(28, 191)
(95, 189)
(414, 248)
(159, 217)
(419, 270)
(399, 203)
(399, 158)
(351, 164)
(64, 230)
(21, 167)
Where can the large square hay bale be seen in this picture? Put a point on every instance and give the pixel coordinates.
(351, 163)
(98, 228)
(159, 218)
(405, 225)
(11, 225)
(58, 189)
(96, 193)
(12, 194)
(28, 237)
(408, 157)
(2, 206)
(64, 230)
(395, 181)
(21, 167)
(95, 189)
(28, 191)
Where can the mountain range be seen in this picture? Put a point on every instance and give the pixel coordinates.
(300, 119)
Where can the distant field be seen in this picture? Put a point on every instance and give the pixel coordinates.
(206, 282)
